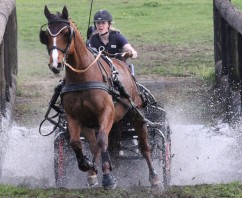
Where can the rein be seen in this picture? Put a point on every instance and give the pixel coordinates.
(93, 62)
(88, 67)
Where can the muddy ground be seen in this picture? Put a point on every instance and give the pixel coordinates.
(186, 94)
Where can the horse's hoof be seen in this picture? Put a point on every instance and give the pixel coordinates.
(92, 181)
(109, 182)
(155, 180)
(156, 184)
(85, 164)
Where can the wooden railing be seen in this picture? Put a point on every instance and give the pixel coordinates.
(228, 53)
(8, 58)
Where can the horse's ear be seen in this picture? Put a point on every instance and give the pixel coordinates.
(47, 12)
(65, 13)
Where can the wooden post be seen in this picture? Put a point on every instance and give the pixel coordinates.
(224, 47)
(14, 60)
(231, 51)
(8, 50)
(233, 59)
(217, 43)
(7, 66)
(229, 71)
(239, 47)
(2, 81)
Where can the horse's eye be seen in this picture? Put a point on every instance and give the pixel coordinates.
(66, 34)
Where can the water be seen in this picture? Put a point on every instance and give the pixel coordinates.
(202, 153)
(27, 158)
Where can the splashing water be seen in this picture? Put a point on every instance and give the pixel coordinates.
(205, 155)
(28, 158)
(200, 155)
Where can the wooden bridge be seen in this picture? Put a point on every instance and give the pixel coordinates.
(228, 55)
(8, 59)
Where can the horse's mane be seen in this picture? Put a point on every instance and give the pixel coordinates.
(73, 24)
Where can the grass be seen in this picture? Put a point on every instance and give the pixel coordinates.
(178, 33)
(185, 26)
(231, 190)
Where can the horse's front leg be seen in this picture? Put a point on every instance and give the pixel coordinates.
(105, 125)
(142, 131)
(89, 135)
(74, 128)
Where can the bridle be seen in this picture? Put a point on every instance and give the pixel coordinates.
(44, 40)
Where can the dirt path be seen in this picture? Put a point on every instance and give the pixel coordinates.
(170, 91)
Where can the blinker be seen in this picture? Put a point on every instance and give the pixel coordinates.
(42, 35)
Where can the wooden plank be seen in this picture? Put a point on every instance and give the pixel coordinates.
(230, 13)
(6, 9)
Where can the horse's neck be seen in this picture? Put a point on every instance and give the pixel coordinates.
(81, 56)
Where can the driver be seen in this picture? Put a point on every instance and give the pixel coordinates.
(106, 38)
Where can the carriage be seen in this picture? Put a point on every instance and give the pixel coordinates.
(108, 110)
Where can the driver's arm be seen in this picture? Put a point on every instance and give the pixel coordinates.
(128, 47)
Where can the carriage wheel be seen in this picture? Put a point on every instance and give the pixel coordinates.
(160, 141)
(161, 155)
(61, 158)
(166, 158)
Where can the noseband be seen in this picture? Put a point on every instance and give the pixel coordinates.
(44, 40)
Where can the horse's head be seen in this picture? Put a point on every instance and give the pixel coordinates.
(57, 37)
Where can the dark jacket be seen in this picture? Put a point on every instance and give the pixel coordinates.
(115, 45)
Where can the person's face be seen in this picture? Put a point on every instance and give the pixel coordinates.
(102, 27)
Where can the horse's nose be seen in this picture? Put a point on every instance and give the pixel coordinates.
(59, 65)
(53, 69)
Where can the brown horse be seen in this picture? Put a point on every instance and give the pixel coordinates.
(88, 95)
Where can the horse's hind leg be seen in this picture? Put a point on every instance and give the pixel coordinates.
(142, 131)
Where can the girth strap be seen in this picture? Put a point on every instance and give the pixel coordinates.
(85, 86)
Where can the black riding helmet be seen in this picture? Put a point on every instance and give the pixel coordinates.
(102, 15)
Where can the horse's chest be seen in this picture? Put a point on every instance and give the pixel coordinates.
(85, 108)
(79, 106)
